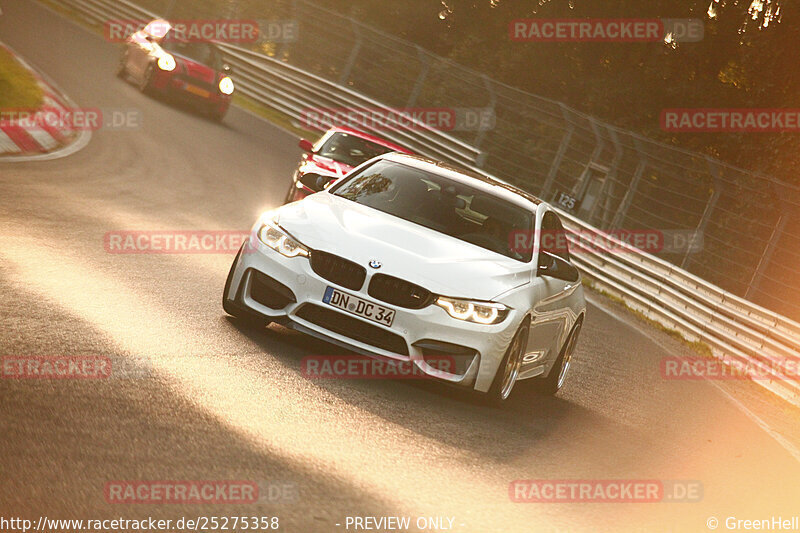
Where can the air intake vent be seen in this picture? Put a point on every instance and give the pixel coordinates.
(399, 292)
(353, 328)
(338, 270)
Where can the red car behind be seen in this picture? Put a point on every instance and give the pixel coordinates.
(336, 153)
(160, 60)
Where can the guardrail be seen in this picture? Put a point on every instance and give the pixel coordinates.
(732, 327)
(294, 92)
(735, 329)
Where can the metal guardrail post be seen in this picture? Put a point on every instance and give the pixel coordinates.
(169, 9)
(763, 263)
(284, 46)
(482, 131)
(592, 164)
(622, 210)
(423, 75)
(562, 150)
(710, 205)
(610, 181)
(600, 142)
(351, 59)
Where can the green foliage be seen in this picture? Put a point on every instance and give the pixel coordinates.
(627, 84)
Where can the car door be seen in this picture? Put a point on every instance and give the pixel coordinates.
(552, 315)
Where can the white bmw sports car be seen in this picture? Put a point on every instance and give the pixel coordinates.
(411, 260)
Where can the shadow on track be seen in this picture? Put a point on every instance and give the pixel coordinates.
(455, 417)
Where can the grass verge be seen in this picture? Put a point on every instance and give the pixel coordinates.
(272, 115)
(698, 346)
(19, 89)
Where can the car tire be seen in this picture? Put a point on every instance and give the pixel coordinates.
(122, 67)
(146, 84)
(235, 310)
(554, 381)
(216, 115)
(507, 373)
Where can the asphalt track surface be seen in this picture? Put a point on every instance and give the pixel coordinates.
(213, 400)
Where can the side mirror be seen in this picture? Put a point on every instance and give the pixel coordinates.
(547, 265)
(552, 266)
(306, 145)
(314, 181)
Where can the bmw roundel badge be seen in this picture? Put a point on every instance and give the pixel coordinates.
(375, 264)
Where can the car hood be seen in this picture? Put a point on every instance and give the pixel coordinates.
(316, 163)
(198, 71)
(441, 264)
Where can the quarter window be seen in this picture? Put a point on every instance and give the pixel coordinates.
(554, 238)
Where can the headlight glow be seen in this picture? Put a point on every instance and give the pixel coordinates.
(167, 63)
(281, 242)
(226, 85)
(478, 312)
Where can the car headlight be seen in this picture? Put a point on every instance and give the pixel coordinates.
(470, 311)
(167, 63)
(279, 241)
(226, 85)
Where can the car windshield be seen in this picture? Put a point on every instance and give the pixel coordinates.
(441, 204)
(350, 149)
(201, 52)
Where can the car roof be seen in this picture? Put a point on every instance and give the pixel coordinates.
(170, 28)
(466, 176)
(163, 25)
(372, 138)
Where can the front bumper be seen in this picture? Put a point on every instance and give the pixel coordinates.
(423, 332)
(193, 93)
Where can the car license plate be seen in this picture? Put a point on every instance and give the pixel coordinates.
(356, 306)
(197, 90)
